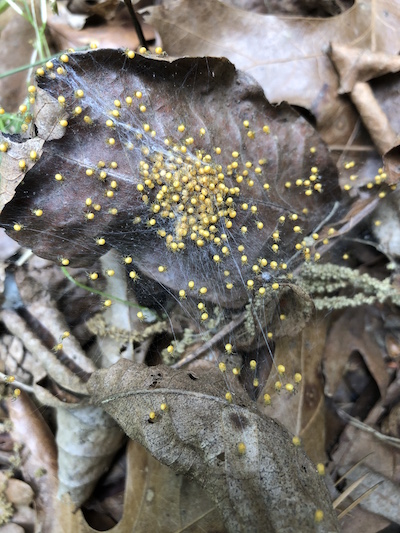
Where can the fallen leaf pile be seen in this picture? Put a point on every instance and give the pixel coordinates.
(208, 219)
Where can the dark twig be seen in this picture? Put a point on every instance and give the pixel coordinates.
(136, 23)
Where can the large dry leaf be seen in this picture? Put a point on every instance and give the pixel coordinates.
(209, 100)
(269, 485)
(380, 460)
(287, 55)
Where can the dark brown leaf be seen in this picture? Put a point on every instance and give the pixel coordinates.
(190, 94)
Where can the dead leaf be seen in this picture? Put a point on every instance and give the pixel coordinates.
(87, 440)
(376, 101)
(40, 456)
(156, 491)
(152, 491)
(65, 377)
(381, 465)
(363, 521)
(201, 434)
(278, 50)
(316, 8)
(15, 51)
(11, 173)
(301, 411)
(356, 65)
(69, 30)
(387, 232)
(188, 93)
(353, 332)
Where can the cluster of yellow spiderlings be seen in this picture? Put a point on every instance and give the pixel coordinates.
(191, 197)
(16, 392)
(192, 200)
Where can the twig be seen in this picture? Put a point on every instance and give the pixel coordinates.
(368, 429)
(136, 23)
(209, 344)
(17, 383)
(358, 500)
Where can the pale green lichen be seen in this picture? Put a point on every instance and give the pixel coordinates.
(98, 326)
(322, 280)
(6, 508)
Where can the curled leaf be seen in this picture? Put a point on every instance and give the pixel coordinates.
(248, 464)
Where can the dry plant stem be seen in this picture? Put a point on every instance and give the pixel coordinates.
(348, 472)
(136, 23)
(48, 314)
(209, 344)
(358, 500)
(348, 491)
(393, 441)
(18, 384)
(18, 327)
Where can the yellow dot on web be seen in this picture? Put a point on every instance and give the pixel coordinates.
(241, 448)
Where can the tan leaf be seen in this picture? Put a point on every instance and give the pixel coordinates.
(302, 411)
(155, 499)
(286, 55)
(39, 456)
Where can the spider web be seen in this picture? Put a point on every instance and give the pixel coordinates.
(185, 169)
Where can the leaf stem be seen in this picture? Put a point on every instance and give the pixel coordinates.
(101, 293)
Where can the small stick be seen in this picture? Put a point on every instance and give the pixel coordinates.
(233, 324)
(136, 23)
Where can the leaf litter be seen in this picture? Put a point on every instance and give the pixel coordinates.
(56, 256)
